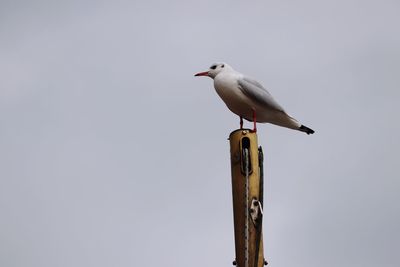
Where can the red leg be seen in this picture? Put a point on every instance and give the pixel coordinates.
(254, 121)
(241, 123)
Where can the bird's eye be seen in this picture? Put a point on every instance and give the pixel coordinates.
(213, 67)
(222, 66)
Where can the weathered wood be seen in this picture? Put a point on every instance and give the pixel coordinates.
(239, 139)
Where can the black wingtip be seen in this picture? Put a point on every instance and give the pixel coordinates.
(306, 129)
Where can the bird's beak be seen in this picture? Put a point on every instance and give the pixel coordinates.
(205, 73)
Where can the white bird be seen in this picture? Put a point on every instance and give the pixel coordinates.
(248, 99)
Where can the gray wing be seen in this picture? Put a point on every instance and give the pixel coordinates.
(257, 93)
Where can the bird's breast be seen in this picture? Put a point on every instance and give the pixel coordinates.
(227, 88)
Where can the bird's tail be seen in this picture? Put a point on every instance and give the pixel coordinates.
(306, 129)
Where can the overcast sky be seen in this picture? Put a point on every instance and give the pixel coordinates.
(113, 154)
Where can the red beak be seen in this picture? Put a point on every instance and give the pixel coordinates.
(205, 73)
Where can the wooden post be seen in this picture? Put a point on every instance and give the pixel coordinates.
(247, 192)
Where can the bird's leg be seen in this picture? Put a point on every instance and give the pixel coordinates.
(241, 122)
(254, 121)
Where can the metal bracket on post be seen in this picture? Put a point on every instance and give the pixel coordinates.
(256, 212)
(246, 166)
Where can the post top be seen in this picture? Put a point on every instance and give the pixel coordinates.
(243, 132)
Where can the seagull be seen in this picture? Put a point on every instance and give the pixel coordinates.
(248, 99)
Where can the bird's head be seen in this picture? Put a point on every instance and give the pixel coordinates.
(214, 70)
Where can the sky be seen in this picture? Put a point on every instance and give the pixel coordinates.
(113, 154)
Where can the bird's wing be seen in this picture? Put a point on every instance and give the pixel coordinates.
(257, 93)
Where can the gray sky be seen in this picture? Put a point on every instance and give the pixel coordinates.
(113, 154)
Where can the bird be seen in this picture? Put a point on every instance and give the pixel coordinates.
(248, 99)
